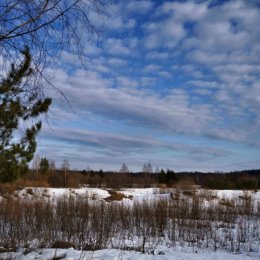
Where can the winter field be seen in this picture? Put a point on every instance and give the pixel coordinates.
(150, 223)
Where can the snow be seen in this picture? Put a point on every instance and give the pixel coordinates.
(115, 254)
(229, 194)
(56, 193)
(136, 194)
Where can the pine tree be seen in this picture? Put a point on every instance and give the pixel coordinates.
(18, 104)
(44, 166)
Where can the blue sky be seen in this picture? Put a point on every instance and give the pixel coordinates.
(173, 83)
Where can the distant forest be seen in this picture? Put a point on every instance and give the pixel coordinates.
(246, 179)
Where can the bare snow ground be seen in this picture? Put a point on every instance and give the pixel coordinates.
(134, 194)
(88, 192)
(138, 194)
(114, 254)
(53, 194)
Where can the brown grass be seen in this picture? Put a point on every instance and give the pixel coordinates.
(116, 196)
(226, 202)
(189, 193)
(207, 195)
(30, 191)
(63, 244)
(40, 182)
(7, 188)
(185, 183)
(93, 225)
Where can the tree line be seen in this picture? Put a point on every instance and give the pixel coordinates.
(45, 172)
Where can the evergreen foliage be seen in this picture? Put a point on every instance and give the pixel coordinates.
(18, 104)
(44, 165)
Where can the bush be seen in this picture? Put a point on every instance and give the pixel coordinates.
(62, 244)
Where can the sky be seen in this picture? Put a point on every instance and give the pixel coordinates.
(171, 83)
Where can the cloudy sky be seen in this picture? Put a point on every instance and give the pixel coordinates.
(173, 83)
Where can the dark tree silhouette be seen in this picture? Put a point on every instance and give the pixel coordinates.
(18, 103)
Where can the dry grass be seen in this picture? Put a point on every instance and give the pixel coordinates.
(62, 244)
(162, 186)
(7, 189)
(30, 191)
(94, 225)
(226, 202)
(208, 195)
(189, 193)
(116, 196)
(40, 182)
(186, 183)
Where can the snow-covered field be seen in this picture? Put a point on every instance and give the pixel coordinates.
(163, 248)
(87, 192)
(131, 195)
(115, 254)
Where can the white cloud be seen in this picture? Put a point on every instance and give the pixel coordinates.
(118, 143)
(118, 23)
(165, 74)
(174, 112)
(112, 19)
(126, 82)
(147, 81)
(157, 55)
(117, 62)
(210, 52)
(188, 10)
(218, 35)
(116, 46)
(205, 84)
(152, 68)
(139, 6)
(64, 114)
(132, 42)
(169, 30)
(167, 33)
(238, 68)
(207, 58)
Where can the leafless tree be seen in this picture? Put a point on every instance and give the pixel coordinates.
(124, 170)
(157, 170)
(147, 169)
(65, 166)
(47, 27)
(52, 165)
(36, 166)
